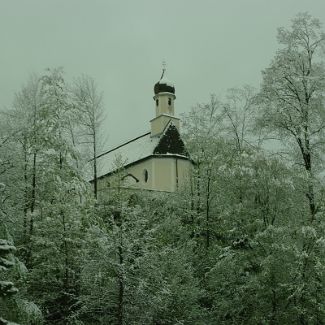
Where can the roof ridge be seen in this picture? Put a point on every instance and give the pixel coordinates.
(121, 145)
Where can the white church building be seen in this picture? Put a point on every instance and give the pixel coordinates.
(156, 160)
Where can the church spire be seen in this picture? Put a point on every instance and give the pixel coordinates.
(164, 99)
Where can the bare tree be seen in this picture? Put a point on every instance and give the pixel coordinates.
(239, 114)
(90, 105)
(203, 130)
(293, 95)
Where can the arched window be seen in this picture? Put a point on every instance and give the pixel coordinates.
(169, 101)
(157, 102)
(145, 175)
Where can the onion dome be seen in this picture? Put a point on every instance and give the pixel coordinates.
(164, 85)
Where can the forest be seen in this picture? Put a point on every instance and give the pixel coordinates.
(242, 243)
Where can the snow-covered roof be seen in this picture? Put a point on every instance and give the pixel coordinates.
(168, 143)
(129, 152)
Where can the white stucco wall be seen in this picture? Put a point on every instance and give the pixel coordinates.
(163, 106)
(162, 174)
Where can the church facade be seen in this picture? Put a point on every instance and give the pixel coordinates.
(156, 160)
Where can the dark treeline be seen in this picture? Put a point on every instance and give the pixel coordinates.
(242, 243)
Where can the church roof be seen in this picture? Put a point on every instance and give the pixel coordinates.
(129, 152)
(142, 147)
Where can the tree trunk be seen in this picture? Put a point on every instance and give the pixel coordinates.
(66, 254)
(32, 209)
(95, 164)
(121, 285)
(26, 203)
(192, 206)
(207, 215)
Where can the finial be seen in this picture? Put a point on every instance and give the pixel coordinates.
(163, 68)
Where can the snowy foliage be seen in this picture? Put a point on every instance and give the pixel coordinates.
(242, 243)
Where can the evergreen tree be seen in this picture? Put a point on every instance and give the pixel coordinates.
(7, 288)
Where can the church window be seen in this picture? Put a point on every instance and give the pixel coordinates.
(145, 175)
(157, 102)
(169, 101)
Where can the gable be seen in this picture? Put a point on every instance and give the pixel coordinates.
(171, 143)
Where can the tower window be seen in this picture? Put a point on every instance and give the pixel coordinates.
(169, 101)
(145, 175)
(157, 102)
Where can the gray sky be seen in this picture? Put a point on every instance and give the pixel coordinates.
(209, 46)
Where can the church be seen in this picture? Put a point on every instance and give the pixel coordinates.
(156, 160)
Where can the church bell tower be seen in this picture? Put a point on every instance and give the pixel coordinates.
(164, 102)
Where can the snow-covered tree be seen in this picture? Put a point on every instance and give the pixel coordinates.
(243, 243)
(293, 96)
(292, 108)
(135, 270)
(46, 187)
(7, 288)
(89, 105)
(58, 219)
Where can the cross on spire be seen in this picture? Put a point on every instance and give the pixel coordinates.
(164, 65)
(163, 68)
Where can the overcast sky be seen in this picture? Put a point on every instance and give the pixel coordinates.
(209, 46)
